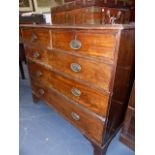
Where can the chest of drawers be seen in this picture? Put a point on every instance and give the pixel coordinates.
(84, 73)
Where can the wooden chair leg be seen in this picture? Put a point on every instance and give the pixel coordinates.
(21, 70)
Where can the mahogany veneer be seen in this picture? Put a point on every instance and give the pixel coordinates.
(85, 73)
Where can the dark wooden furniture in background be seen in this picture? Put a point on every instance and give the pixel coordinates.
(104, 3)
(84, 73)
(94, 12)
(128, 131)
(90, 12)
(91, 15)
(132, 11)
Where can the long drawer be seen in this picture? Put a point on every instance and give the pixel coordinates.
(88, 70)
(85, 43)
(90, 98)
(38, 37)
(86, 122)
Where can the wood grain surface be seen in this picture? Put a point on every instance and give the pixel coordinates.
(91, 71)
(87, 123)
(95, 44)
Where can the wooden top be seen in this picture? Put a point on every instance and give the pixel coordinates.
(97, 27)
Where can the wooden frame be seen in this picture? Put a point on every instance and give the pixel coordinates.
(25, 5)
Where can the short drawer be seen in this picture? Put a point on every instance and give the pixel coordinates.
(86, 122)
(90, 98)
(95, 73)
(36, 53)
(39, 73)
(38, 37)
(86, 43)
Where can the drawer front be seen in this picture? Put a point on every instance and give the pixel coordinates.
(90, 98)
(86, 43)
(37, 37)
(37, 54)
(90, 71)
(87, 123)
(38, 73)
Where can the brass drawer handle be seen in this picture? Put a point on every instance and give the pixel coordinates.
(75, 92)
(75, 67)
(75, 43)
(36, 54)
(75, 116)
(39, 73)
(41, 91)
(34, 37)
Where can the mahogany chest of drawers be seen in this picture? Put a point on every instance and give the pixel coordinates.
(128, 132)
(84, 73)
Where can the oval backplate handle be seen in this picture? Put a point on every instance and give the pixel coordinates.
(75, 116)
(75, 67)
(76, 92)
(75, 44)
